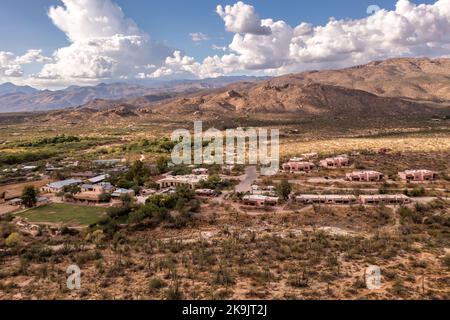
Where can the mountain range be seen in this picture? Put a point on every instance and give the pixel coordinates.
(25, 99)
(404, 88)
(10, 88)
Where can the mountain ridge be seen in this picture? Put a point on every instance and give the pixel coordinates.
(26, 99)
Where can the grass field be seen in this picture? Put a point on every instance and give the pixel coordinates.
(63, 214)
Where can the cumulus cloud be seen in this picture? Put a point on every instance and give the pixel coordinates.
(11, 65)
(103, 43)
(242, 18)
(198, 37)
(181, 65)
(409, 30)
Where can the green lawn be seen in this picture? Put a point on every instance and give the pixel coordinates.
(63, 213)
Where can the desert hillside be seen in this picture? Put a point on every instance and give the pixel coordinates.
(401, 88)
(418, 79)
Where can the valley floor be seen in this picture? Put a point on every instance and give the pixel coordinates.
(227, 250)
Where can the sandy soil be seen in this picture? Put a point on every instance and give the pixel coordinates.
(15, 190)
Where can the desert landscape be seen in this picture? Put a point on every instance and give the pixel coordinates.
(364, 181)
(220, 159)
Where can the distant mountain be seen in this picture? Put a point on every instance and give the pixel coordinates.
(391, 89)
(9, 88)
(25, 99)
(383, 88)
(419, 79)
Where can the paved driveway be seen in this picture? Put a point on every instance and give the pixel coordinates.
(248, 180)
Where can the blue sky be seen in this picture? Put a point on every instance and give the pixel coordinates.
(25, 25)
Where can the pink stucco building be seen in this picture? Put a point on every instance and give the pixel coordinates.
(302, 166)
(364, 176)
(260, 200)
(335, 163)
(418, 175)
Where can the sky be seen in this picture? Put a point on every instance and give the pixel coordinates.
(57, 43)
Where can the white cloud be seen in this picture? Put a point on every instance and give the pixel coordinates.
(408, 31)
(242, 18)
(198, 37)
(11, 65)
(103, 44)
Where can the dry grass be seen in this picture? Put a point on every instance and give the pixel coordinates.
(346, 145)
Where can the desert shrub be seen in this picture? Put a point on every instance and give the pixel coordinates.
(14, 240)
(24, 157)
(298, 281)
(181, 170)
(85, 257)
(384, 214)
(117, 212)
(408, 215)
(5, 230)
(214, 182)
(416, 192)
(156, 283)
(384, 188)
(420, 264)
(37, 253)
(108, 225)
(398, 288)
(446, 261)
(174, 293)
(60, 139)
(224, 277)
(359, 284)
(69, 231)
(148, 211)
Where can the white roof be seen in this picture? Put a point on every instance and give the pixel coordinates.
(260, 198)
(185, 179)
(303, 163)
(296, 159)
(121, 192)
(204, 191)
(64, 183)
(366, 172)
(29, 167)
(326, 196)
(312, 154)
(99, 178)
(419, 171)
(343, 157)
(384, 196)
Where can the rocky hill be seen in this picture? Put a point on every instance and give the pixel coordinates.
(391, 89)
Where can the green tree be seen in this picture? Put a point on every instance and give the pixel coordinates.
(161, 164)
(284, 189)
(29, 196)
(126, 199)
(73, 189)
(104, 197)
